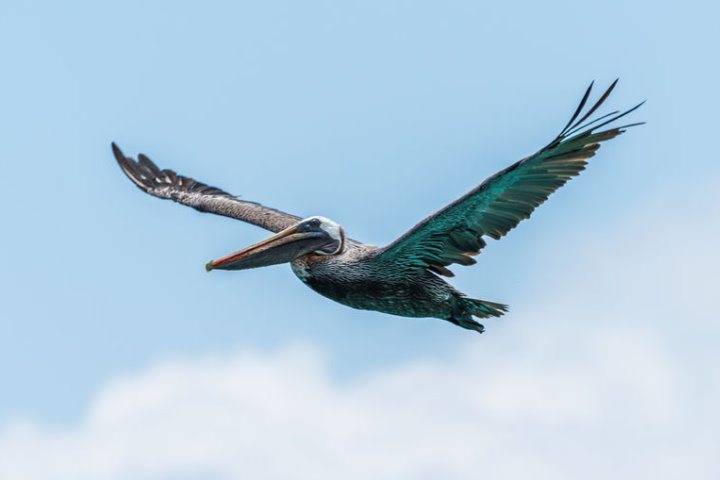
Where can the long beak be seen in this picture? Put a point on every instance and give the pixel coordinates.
(282, 247)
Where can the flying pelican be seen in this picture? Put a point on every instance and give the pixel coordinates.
(404, 277)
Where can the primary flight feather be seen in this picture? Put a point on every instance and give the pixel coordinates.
(404, 277)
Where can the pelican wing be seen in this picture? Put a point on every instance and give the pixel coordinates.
(169, 185)
(497, 205)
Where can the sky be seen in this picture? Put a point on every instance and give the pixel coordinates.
(121, 358)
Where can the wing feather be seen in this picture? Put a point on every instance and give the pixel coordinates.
(169, 185)
(496, 206)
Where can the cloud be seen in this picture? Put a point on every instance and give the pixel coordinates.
(610, 406)
(608, 396)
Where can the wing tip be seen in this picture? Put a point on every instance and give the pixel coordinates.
(117, 152)
(120, 157)
(581, 127)
(129, 167)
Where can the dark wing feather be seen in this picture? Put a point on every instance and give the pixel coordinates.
(496, 206)
(169, 185)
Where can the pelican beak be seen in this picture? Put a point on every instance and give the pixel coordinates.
(282, 247)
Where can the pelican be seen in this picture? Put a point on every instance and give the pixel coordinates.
(405, 277)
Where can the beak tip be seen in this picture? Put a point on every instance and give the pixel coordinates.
(209, 266)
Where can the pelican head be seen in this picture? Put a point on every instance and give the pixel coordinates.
(317, 235)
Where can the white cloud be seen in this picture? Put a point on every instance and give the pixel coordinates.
(610, 406)
(611, 396)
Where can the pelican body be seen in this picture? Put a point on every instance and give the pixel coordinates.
(355, 278)
(404, 278)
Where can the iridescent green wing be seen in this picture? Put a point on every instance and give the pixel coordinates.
(455, 233)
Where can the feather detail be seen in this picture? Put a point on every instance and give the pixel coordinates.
(505, 199)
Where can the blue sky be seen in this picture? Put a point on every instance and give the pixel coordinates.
(374, 114)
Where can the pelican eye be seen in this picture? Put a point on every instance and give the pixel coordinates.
(314, 222)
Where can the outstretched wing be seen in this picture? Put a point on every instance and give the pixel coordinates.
(171, 186)
(496, 206)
